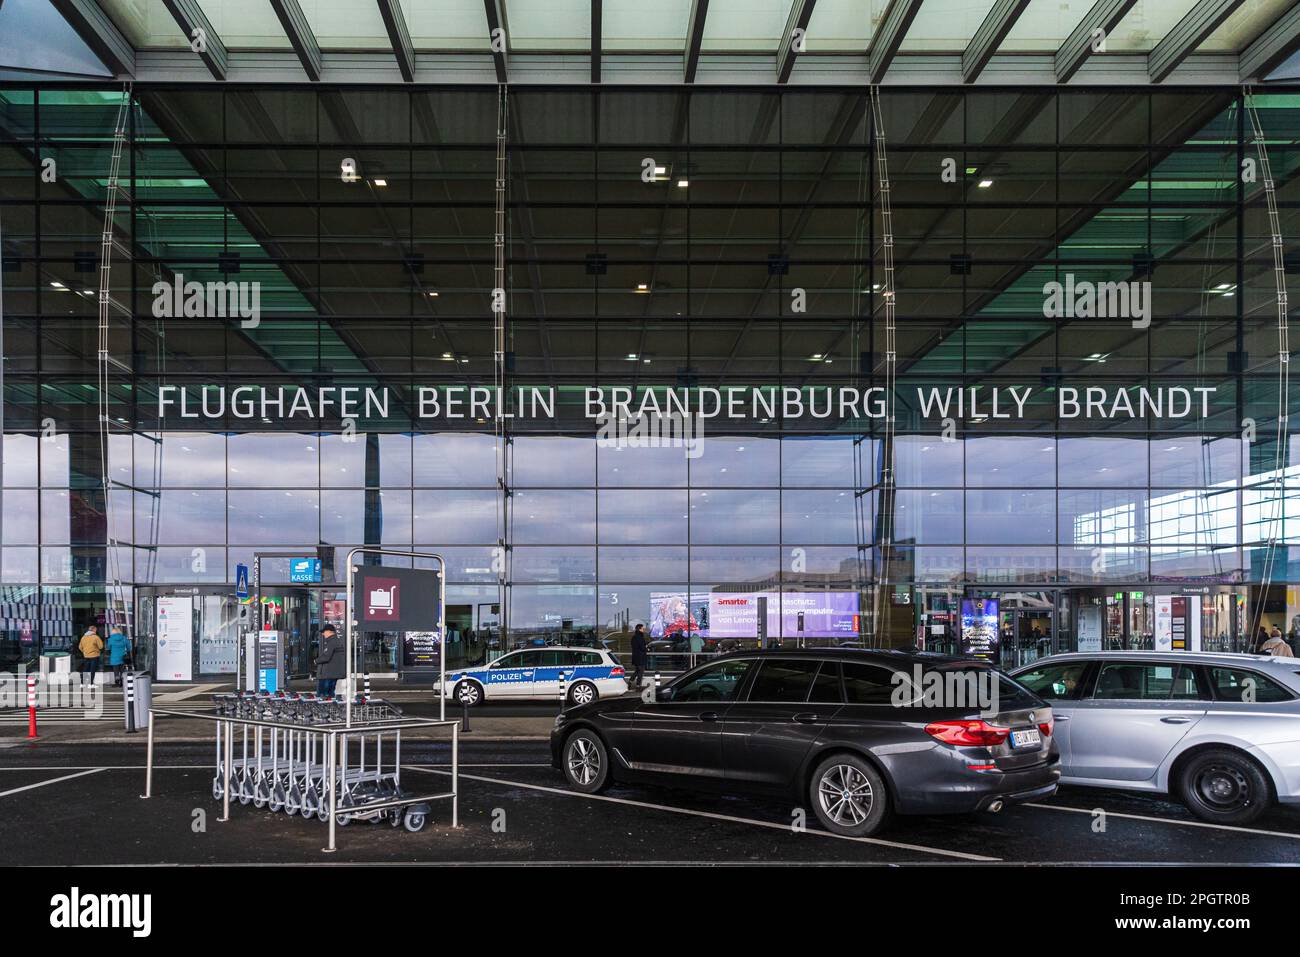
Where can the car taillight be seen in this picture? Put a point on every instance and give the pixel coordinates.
(978, 734)
(1045, 727)
(616, 672)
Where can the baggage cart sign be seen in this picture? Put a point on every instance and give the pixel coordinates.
(395, 599)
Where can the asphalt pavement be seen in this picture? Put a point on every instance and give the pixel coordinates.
(65, 803)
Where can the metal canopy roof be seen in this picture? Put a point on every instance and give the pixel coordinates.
(705, 41)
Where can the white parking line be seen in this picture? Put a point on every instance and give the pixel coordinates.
(209, 767)
(66, 777)
(1167, 820)
(712, 815)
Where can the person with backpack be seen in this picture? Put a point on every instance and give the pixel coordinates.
(119, 650)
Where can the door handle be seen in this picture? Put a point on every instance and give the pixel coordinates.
(1175, 719)
(1060, 717)
(708, 716)
(805, 717)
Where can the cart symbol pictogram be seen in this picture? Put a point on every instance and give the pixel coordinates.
(381, 600)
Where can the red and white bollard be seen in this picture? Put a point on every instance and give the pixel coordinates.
(31, 706)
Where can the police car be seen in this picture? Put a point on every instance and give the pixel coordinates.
(537, 673)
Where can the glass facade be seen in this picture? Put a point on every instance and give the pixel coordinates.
(750, 258)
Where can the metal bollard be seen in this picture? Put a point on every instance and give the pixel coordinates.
(562, 688)
(657, 681)
(31, 706)
(366, 684)
(128, 694)
(464, 708)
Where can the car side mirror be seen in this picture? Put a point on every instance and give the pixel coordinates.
(664, 694)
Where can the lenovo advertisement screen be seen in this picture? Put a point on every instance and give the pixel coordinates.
(832, 614)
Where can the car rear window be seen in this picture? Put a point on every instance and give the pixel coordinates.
(867, 684)
(1234, 684)
(782, 680)
(1125, 681)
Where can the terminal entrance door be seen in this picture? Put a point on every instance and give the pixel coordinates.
(295, 613)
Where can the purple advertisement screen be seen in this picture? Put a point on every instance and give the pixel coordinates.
(831, 614)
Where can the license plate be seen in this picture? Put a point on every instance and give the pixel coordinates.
(1026, 739)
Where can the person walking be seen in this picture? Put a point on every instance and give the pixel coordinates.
(91, 647)
(1260, 638)
(331, 661)
(638, 654)
(1276, 645)
(119, 650)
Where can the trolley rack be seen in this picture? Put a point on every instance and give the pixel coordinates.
(299, 761)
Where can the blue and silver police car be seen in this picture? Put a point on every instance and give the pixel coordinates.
(581, 674)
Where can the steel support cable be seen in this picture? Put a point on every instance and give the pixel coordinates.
(1203, 519)
(887, 293)
(106, 360)
(499, 301)
(1283, 356)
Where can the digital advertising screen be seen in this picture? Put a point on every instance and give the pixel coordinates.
(718, 615)
(979, 628)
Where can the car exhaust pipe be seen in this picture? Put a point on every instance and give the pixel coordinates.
(995, 807)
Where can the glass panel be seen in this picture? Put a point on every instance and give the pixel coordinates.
(147, 25)
(843, 26)
(1146, 25)
(1244, 25)
(632, 25)
(246, 24)
(359, 26)
(945, 26)
(1043, 27)
(549, 24)
(749, 25)
(453, 25)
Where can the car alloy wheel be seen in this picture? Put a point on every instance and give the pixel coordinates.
(582, 693)
(846, 795)
(584, 761)
(468, 692)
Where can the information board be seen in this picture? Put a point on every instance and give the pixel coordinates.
(175, 631)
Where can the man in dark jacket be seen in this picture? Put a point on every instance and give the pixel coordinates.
(331, 661)
(638, 654)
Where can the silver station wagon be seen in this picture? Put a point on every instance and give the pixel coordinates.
(1221, 732)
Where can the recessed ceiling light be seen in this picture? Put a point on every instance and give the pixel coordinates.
(683, 183)
(433, 294)
(661, 170)
(57, 285)
(642, 287)
(380, 182)
(985, 183)
(631, 355)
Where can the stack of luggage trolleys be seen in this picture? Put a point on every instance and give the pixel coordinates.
(285, 767)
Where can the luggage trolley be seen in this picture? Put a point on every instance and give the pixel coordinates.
(282, 767)
(295, 751)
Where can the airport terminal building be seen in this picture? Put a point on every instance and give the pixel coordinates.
(781, 321)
